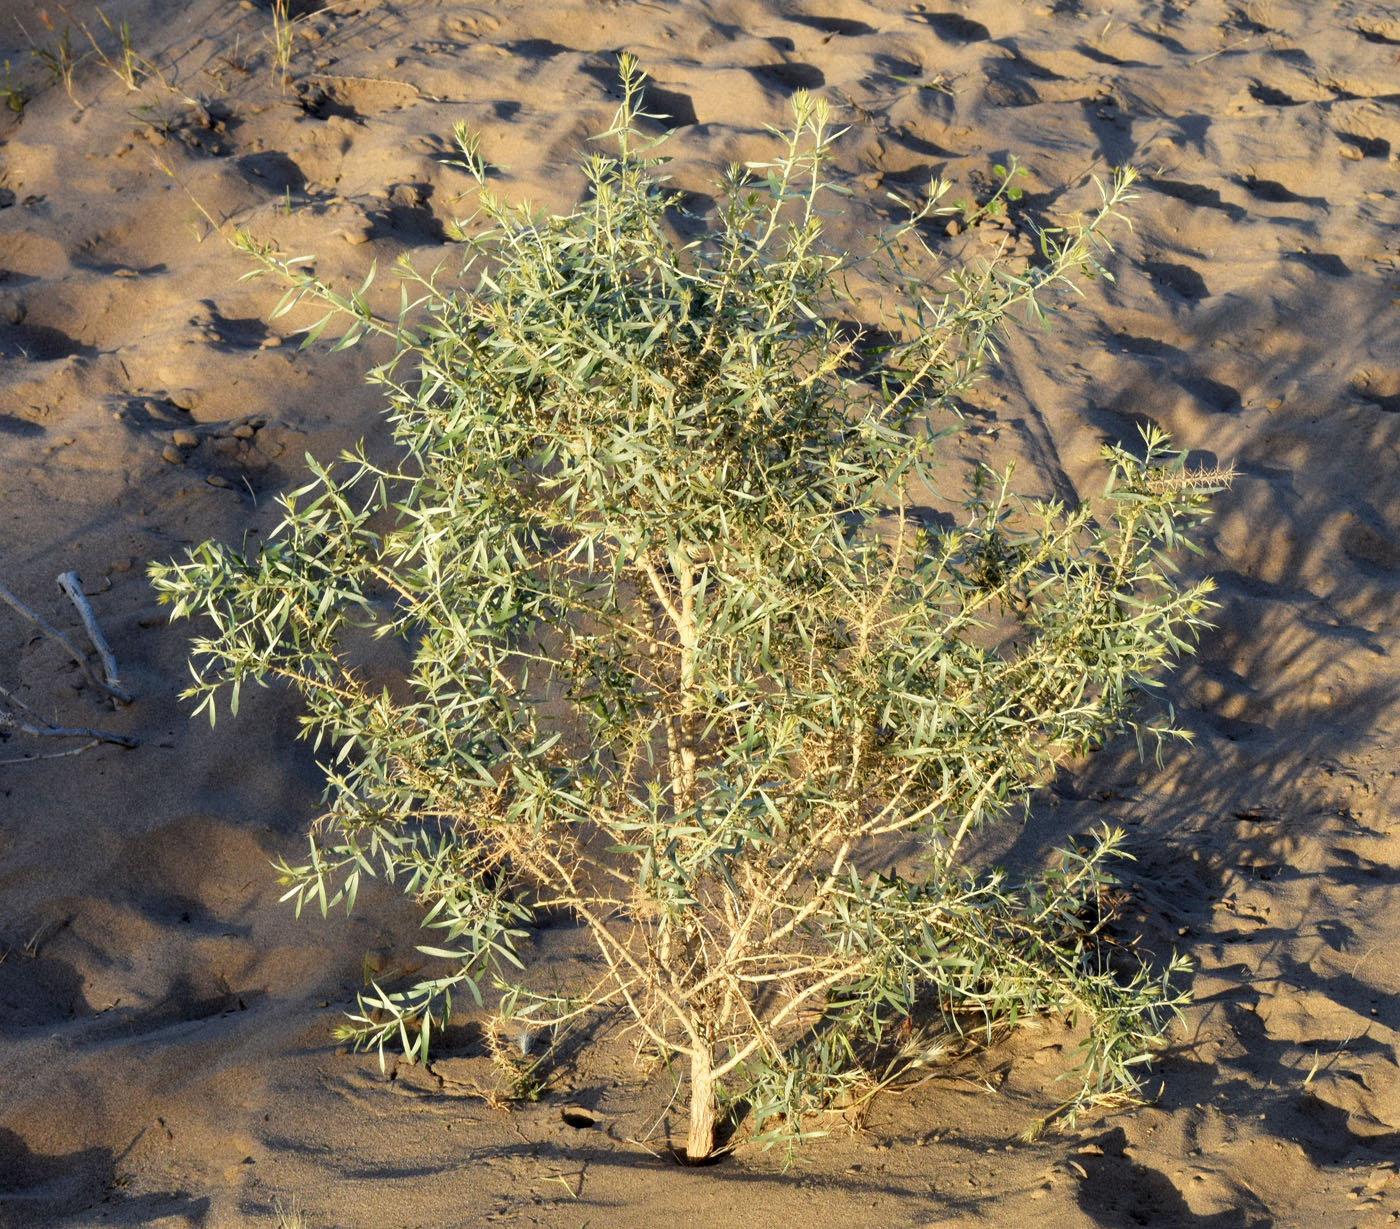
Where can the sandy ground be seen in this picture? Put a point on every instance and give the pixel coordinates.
(165, 1050)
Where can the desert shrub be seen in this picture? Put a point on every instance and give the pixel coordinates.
(686, 663)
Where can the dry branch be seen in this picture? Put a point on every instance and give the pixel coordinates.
(53, 633)
(72, 584)
(8, 721)
(52, 755)
(39, 726)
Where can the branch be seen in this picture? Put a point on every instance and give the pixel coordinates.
(9, 721)
(612, 950)
(49, 630)
(790, 1009)
(52, 755)
(72, 584)
(659, 588)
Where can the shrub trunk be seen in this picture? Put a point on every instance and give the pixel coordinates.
(701, 1140)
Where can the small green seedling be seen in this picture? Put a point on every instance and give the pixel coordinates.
(126, 66)
(12, 92)
(58, 58)
(283, 28)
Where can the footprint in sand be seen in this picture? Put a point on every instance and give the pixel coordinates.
(353, 98)
(1276, 193)
(789, 78)
(472, 26)
(955, 28)
(1360, 145)
(1183, 281)
(1378, 387)
(841, 27)
(37, 343)
(1380, 30)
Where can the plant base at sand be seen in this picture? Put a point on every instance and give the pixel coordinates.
(687, 665)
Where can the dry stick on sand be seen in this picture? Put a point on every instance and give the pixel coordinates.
(48, 629)
(8, 721)
(46, 729)
(70, 583)
(52, 755)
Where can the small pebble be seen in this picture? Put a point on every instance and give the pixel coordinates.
(184, 439)
(218, 480)
(245, 432)
(269, 343)
(173, 454)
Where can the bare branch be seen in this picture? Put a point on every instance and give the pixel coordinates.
(71, 584)
(54, 634)
(10, 722)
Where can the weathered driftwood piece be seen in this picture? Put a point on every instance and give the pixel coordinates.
(81, 658)
(72, 584)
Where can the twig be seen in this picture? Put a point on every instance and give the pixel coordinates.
(52, 755)
(49, 630)
(46, 931)
(71, 584)
(48, 729)
(164, 167)
(1228, 47)
(564, 1182)
(10, 722)
(6, 694)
